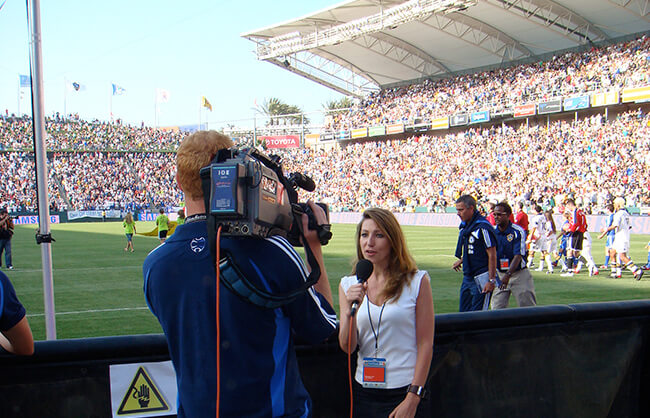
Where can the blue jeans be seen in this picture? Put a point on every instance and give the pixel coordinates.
(471, 299)
(5, 245)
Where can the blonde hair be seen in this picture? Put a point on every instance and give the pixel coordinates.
(619, 203)
(128, 218)
(401, 265)
(195, 152)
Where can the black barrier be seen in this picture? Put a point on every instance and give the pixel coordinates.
(587, 360)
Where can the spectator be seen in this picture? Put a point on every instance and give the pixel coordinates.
(6, 233)
(15, 333)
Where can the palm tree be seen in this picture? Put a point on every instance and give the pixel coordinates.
(275, 108)
(337, 106)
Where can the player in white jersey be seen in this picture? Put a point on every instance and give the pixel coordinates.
(551, 241)
(538, 238)
(621, 224)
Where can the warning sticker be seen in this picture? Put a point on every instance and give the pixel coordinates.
(142, 396)
(143, 390)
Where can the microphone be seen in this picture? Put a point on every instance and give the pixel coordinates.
(303, 181)
(363, 271)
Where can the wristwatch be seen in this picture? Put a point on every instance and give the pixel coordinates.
(417, 390)
(493, 281)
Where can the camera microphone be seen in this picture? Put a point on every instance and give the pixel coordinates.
(303, 181)
(363, 271)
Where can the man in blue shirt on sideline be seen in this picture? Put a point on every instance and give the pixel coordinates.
(259, 375)
(511, 259)
(477, 254)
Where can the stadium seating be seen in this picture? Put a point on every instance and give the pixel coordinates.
(100, 165)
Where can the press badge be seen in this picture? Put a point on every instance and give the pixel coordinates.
(374, 372)
(504, 264)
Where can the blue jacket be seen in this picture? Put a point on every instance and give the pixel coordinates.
(474, 238)
(11, 310)
(259, 371)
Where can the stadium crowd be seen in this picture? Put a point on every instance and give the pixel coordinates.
(75, 134)
(625, 64)
(101, 165)
(593, 159)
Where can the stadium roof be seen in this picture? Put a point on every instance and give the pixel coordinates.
(362, 45)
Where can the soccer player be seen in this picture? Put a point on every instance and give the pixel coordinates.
(577, 228)
(610, 254)
(565, 236)
(586, 255)
(551, 241)
(537, 238)
(621, 224)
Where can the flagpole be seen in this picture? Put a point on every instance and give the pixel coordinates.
(19, 95)
(65, 98)
(38, 118)
(155, 107)
(110, 105)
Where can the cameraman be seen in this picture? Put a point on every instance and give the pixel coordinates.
(259, 374)
(6, 232)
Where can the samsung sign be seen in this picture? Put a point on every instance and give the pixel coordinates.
(33, 220)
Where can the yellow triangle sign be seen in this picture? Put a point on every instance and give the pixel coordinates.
(142, 396)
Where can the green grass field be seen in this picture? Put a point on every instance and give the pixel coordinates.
(98, 287)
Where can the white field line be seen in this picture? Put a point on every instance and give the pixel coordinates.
(138, 308)
(24, 270)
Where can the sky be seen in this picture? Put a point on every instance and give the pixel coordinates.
(190, 49)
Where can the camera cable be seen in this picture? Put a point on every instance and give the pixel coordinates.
(218, 285)
(350, 364)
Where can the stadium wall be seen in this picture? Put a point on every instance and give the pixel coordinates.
(586, 360)
(640, 224)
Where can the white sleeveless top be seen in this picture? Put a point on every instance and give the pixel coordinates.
(396, 337)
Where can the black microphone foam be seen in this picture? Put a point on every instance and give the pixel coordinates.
(363, 271)
(304, 182)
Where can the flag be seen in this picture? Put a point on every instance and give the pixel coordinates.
(205, 103)
(162, 96)
(76, 86)
(25, 81)
(117, 90)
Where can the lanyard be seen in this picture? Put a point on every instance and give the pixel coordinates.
(376, 335)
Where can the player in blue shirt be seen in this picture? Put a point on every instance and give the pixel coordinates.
(610, 253)
(564, 235)
(477, 254)
(259, 375)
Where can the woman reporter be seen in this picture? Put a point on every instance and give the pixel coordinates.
(394, 325)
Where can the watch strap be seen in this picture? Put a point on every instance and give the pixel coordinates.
(417, 390)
